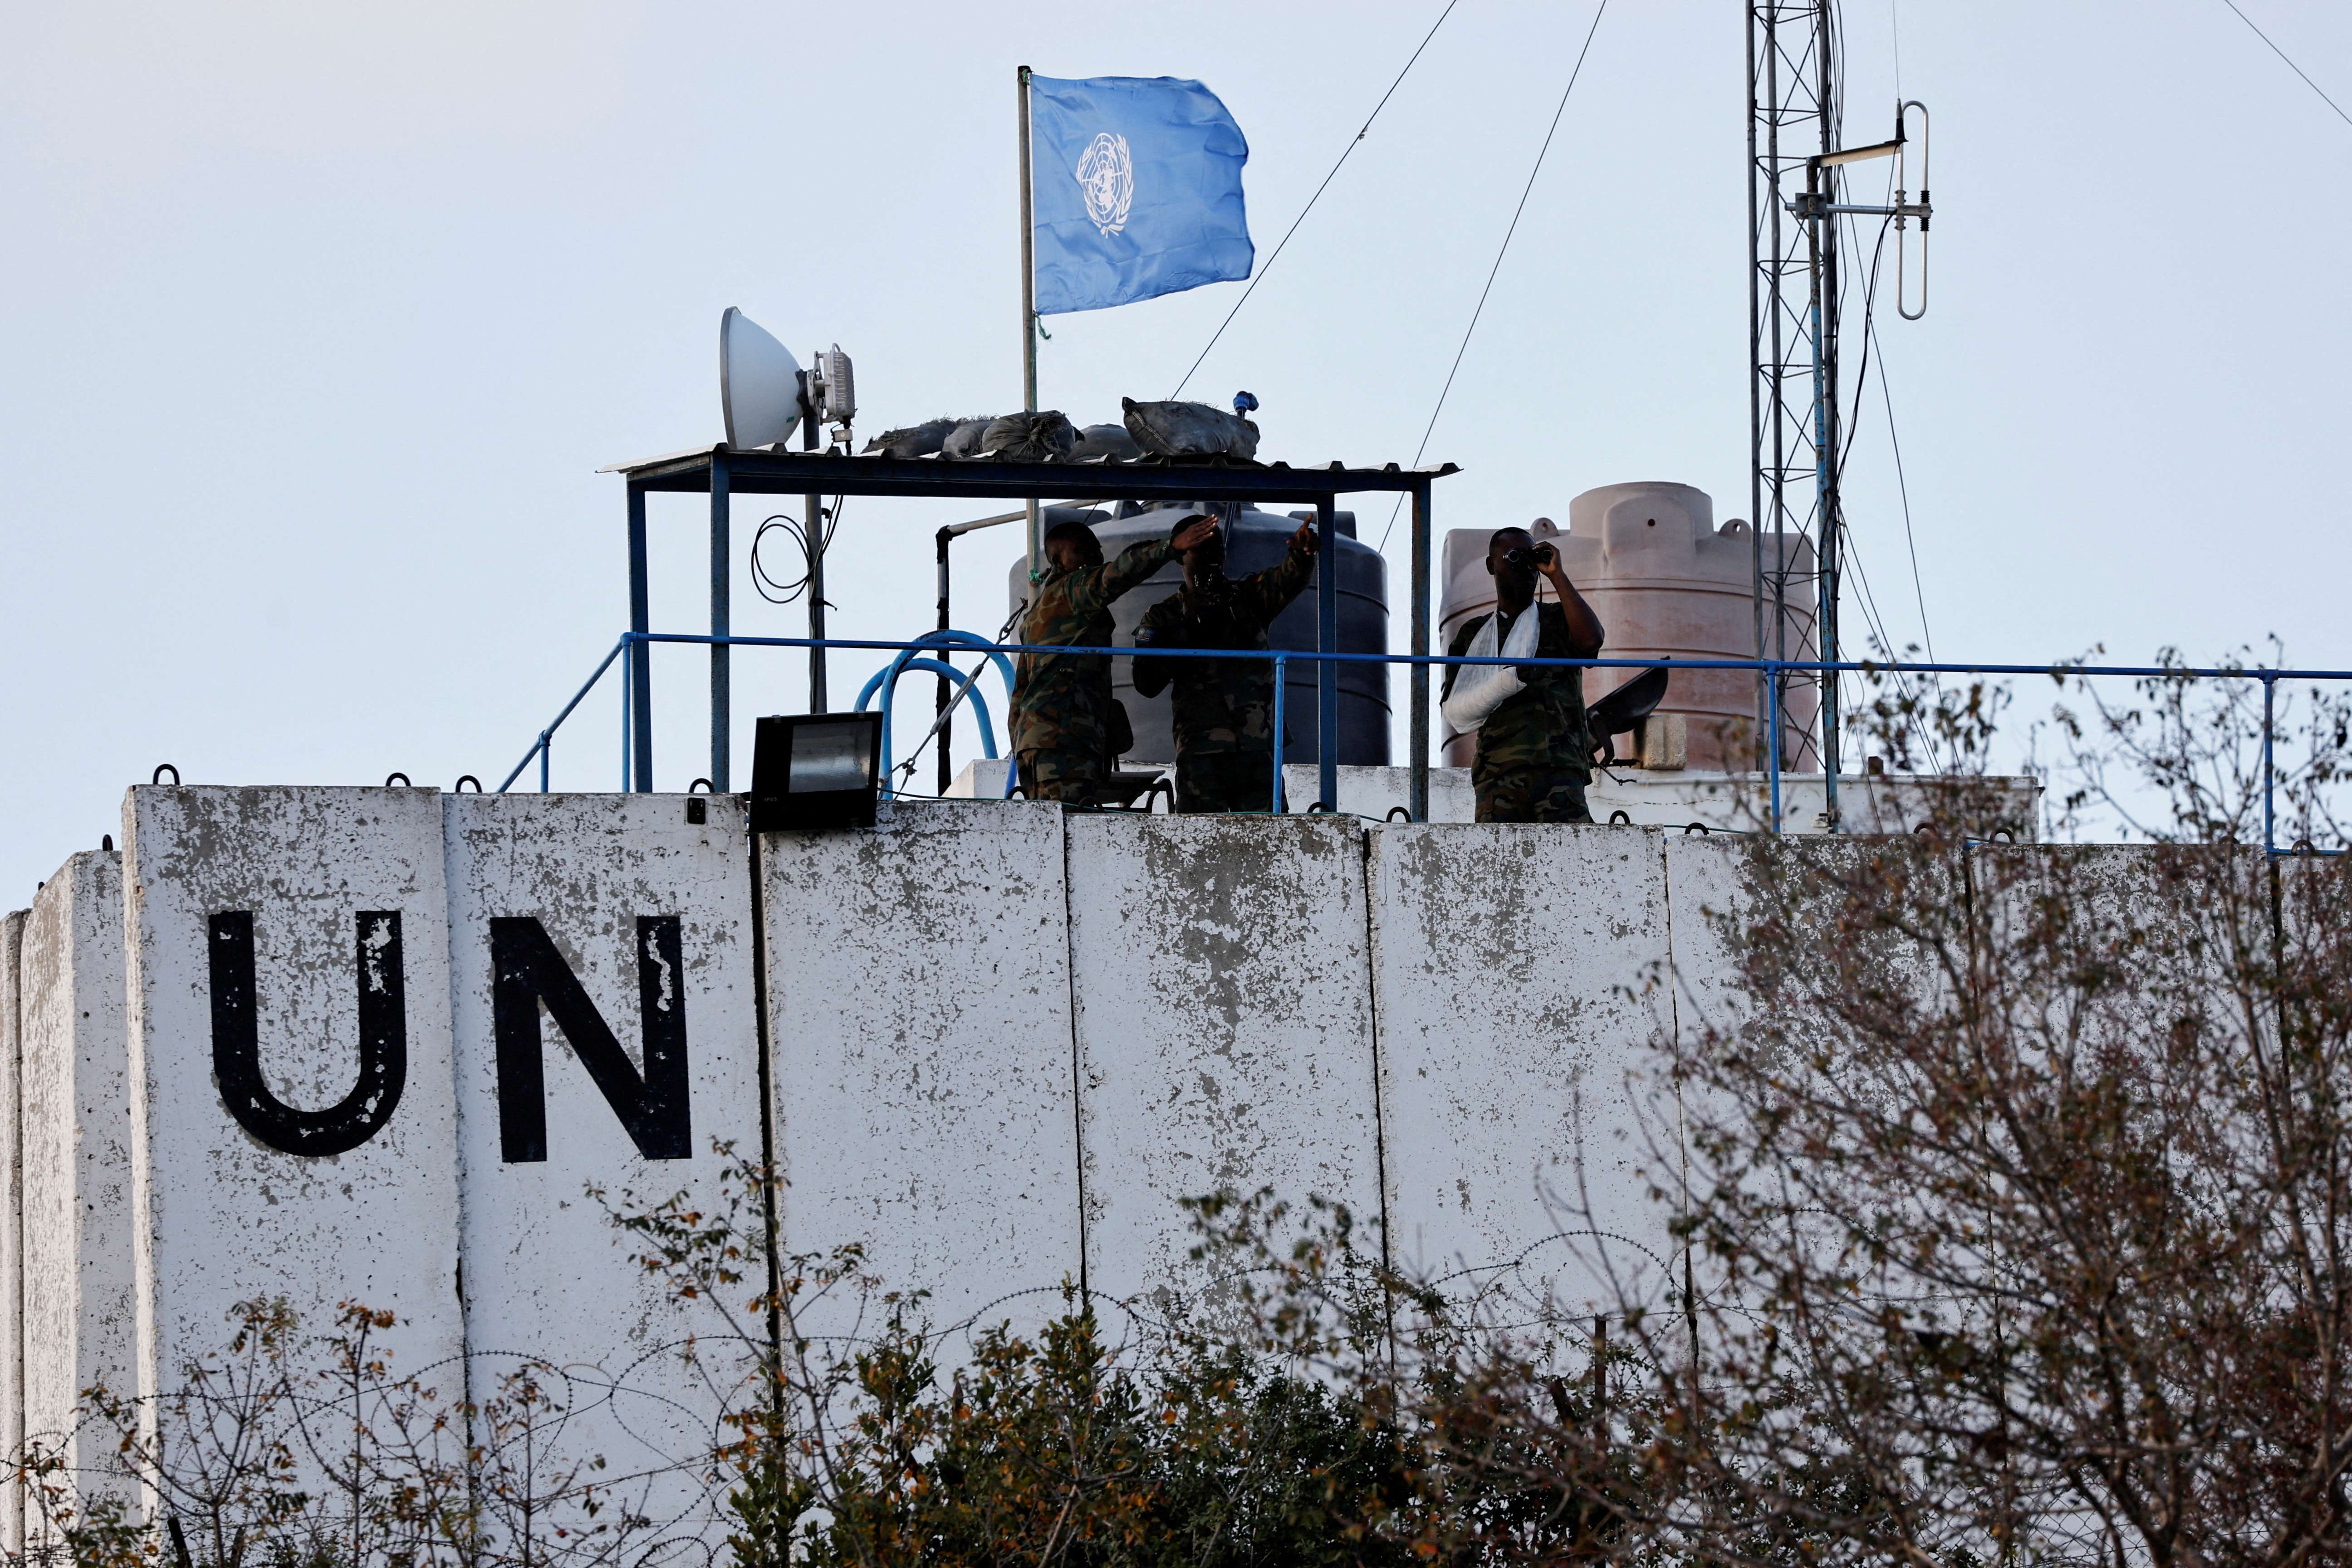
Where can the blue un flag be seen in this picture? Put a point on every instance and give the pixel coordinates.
(1136, 183)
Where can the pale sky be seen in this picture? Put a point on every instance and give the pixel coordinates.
(320, 318)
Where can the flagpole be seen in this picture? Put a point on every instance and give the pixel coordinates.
(1029, 309)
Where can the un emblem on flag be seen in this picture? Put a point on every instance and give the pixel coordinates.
(1107, 177)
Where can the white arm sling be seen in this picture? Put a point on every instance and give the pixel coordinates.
(1480, 688)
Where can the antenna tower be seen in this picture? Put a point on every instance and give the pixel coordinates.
(1792, 311)
(1792, 333)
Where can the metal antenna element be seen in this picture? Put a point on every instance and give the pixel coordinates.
(1794, 316)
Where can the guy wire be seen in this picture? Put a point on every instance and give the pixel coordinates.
(1318, 196)
(1493, 271)
(2298, 71)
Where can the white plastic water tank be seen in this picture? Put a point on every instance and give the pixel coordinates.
(1667, 584)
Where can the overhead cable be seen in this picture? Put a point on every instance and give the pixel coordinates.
(781, 591)
(1318, 196)
(1903, 488)
(2298, 71)
(1503, 250)
(1853, 429)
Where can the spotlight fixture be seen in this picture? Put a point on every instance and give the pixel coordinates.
(815, 772)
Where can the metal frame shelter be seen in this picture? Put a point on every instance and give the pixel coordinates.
(721, 472)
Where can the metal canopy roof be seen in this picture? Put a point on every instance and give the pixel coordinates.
(766, 470)
(721, 472)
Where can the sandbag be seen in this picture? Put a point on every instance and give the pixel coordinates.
(1106, 443)
(1189, 430)
(1045, 436)
(962, 443)
(915, 440)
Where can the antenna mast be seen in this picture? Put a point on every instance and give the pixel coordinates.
(1795, 171)
(1792, 119)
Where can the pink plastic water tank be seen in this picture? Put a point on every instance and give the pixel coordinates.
(1667, 584)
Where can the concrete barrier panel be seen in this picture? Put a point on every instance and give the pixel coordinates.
(1524, 1103)
(1224, 1029)
(625, 905)
(79, 1328)
(918, 985)
(1705, 884)
(12, 1232)
(1374, 792)
(292, 1096)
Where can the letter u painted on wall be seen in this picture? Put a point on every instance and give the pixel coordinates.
(383, 1040)
(529, 972)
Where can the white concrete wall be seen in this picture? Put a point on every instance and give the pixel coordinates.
(1224, 1029)
(1703, 883)
(79, 1325)
(222, 1213)
(1373, 791)
(12, 1231)
(646, 1380)
(918, 988)
(1520, 973)
(1006, 1041)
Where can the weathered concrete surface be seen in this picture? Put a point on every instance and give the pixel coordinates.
(1705, 887)
(223, 1215)
(1224, 1027)
(79, 1326)
(646, 1382)
(1520, 973)
(12, 1231)
(918, 985)
(1372, 792)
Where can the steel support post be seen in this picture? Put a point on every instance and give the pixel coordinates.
(638, 692)
(722, 558)
(1326, 641)
(813, 525)
(939, 704)
(2269, 816)
(1281, 681)
(1417, 797)
(1759, 66)
(1826, 511)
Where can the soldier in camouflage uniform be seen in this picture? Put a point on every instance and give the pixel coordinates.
(1063, 713)
(1224, 708)
(1533, 758)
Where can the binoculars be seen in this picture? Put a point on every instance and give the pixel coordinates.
(1537, 555)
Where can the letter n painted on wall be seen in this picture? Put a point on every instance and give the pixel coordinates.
(527, 971)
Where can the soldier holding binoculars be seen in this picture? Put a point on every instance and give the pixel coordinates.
(1534, 757)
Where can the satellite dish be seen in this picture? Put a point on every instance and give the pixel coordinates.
(759, 383)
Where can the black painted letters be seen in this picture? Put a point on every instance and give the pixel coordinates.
(526, 971)
(383, 1040)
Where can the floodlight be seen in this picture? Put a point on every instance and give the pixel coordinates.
(815, 771)
(758, 384)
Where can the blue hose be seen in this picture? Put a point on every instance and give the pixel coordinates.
(932, 667)
(886, 680)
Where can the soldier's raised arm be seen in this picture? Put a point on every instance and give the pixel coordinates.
(1095, 590)
(1266, 595)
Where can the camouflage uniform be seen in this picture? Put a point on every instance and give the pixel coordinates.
(1534, 757)
(1064, 716)
(1223, 709)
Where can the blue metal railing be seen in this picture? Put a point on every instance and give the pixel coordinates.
(1775, 672)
